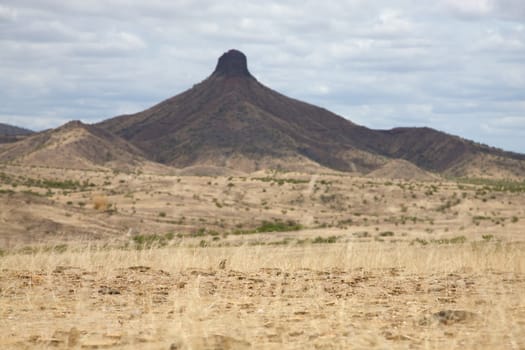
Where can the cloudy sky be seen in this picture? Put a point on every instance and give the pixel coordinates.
(454, 65)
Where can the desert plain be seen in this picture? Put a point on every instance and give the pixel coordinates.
(162, 259)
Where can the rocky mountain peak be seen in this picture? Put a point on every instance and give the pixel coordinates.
(232, 64)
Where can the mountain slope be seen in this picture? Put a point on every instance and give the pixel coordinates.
(449, 155)
(10, 130)
(232, 116)
(232, 120)
(74, 146)
(10, 133)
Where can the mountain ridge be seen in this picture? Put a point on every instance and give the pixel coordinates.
(232, 121)
(74, 145)
(231, 114)
(12, 130)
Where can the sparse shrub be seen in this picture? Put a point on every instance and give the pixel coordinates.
(487, 237)
(154, 240)
(162, 214)
(386, 234)
(279, 226)
(454, 240)
(59, 248)
(420, 241)
(362, 234)
(330, 239)
(284, 241)
(101, 203)
(199, 233)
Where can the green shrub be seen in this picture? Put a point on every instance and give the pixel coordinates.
(278, 226)
(454, 240)
(420, 241)
(153, 240)
(330, 239)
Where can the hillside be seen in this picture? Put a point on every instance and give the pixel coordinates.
(10, 133)
(74, 146)
(10, 130)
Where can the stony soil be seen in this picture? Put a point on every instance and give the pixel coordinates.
(221, 307)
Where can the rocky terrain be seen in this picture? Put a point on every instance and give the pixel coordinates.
(330, 296)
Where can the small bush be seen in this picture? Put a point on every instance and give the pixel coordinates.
(199, 233)
(100, 203)
(330, 239)
(454, 240)
(386, 234)
(154, 240)
(279, 226)
(420, 241)
(362, 234)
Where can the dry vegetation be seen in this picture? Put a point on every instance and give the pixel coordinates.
(357, 295)
(93, 259)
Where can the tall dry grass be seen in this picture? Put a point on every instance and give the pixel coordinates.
(191, 319)
(479, 256)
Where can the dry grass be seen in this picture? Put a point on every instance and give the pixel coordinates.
(100, 202)
(183, 262)
(356, 295)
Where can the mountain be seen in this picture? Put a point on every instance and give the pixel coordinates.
(74, 146)
(232, 120)
(10, 130)
(10, 133)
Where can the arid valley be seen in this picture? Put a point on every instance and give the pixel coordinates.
(161, 259)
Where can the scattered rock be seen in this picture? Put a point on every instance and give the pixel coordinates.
(99, 343)
(396, 337)
(140, 268)
(73, 337)
(108, 290)
(448, 317)
(222, 264)
(176, 346)
(218, 341)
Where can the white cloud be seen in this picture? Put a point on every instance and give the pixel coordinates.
(8, 14)
(505, 125)
(471, 7)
